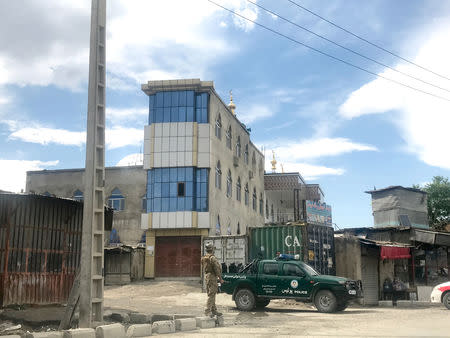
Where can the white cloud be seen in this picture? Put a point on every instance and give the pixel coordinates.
(316, 148)
(146, 40)
(292, 155)
(47, 136)
(132, 159)
(249, 13)
(115, 137)
(13, 175)
(308, 171)
(422, 120)
(311, 171)
(118, 137)
(254, 112)
(121, 115)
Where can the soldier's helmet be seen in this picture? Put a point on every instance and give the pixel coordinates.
(209, 247)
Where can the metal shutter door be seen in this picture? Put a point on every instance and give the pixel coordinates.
(369, 271)
(177, 256)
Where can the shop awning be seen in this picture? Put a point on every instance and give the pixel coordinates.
(394, 252)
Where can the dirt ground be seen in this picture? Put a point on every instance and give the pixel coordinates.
(280, 317)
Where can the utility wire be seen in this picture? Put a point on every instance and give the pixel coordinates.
(328, 55)
(346, 48)
(367, 41)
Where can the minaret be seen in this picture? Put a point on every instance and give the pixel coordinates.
(231, 105)
(273, 162)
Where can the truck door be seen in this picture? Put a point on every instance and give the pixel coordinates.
(294, 282)
(268, 279)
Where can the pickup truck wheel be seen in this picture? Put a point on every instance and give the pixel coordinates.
(446, 300)
(325, 301)
(245, 300)
(261, 303)
(342, 306)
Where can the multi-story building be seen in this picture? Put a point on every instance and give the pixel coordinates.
(204, 175)
(287, 196)
(201, 176)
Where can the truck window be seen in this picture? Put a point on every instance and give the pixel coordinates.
(292, 270)
(270, 268)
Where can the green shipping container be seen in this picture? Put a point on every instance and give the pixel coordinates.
(314, 244)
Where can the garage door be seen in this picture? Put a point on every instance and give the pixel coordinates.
(369, 271)
(177, 256)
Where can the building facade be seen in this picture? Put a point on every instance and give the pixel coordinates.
(204, 175)
(399, 206)
(286, 197)
(124, 188)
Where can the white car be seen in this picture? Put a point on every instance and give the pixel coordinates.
(441, 294)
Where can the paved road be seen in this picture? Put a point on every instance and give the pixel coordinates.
(281, 317)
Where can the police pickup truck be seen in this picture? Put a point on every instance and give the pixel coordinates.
(286, 277)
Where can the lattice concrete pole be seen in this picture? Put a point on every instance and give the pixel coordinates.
(91, 284)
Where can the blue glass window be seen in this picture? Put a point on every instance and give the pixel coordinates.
(116, 200)
(163, 189)
(178, 106)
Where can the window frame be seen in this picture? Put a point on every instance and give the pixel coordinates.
(218, 127)
(238, 147)
(229, 191)
(238, 189)
(229, 137)
(218, 176)
(246, 194)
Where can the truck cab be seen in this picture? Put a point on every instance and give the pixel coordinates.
(288, 278)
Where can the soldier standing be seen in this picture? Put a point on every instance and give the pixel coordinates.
(213, 273)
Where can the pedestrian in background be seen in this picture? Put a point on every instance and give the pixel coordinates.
(213, 274)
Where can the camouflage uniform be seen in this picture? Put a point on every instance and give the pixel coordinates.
(213, 272)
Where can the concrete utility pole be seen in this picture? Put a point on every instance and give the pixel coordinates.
(91, 283)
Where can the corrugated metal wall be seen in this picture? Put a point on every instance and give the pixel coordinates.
(40, 245)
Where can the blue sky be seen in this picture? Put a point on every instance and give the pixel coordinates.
(342, 128)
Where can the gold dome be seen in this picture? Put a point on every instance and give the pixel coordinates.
(231, 105)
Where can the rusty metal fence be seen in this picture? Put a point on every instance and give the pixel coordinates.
(40, 245)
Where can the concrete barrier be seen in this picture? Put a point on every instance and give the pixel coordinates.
(385, 303)
(110, 331)
(205, 322)
(164, 326)
(79, 333)
(122, 317)
(139, 330)
(159, 318)
(185, 324)
(139, 318)
(49, 334)
(220, 321)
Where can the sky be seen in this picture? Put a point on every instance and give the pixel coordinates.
(345, 129)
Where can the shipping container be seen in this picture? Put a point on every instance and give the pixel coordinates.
(314, 244)
(230, 250)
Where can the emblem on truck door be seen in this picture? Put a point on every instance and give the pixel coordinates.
(294, 284)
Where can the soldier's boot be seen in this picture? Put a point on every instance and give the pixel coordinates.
(216, 313)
